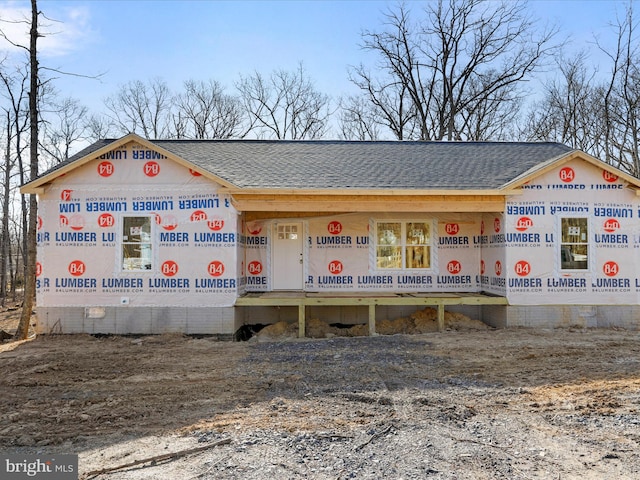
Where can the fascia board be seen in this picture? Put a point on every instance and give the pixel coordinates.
(359, 192)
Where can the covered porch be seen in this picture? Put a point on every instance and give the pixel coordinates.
(302, 300)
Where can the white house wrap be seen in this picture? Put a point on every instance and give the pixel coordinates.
(139, 236)
(182, 234)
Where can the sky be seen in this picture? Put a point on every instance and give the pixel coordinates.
(125, 40)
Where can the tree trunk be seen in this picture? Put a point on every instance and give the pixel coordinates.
(5, 244)
(30, 278)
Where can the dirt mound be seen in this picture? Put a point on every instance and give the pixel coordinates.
(279, 330)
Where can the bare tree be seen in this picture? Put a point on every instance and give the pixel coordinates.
(30, 267)
(14, 90)
(65, 125)
(5, 239)
(625, 112)
(285, 105)
(622, 98)
(142, 108)
(597, 115)
(390, 103)
(99, 126)
(204, 111)
(494, 117)
(357, 119)
(461, 68)
(571, 108)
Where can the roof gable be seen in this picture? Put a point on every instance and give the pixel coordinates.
(542, 168)
(103, 148)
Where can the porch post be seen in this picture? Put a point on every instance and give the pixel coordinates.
(440, 316)
(372, 319)
(301, 320)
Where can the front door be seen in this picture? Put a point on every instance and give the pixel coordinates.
(286, 265)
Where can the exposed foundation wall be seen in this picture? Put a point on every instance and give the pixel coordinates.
(583, 316)
(494, 315)
(225, 321)
(142, 320)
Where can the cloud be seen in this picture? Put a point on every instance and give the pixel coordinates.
(64, 30)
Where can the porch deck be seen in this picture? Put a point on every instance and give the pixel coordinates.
(369, 299)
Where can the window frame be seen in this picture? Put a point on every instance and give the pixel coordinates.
(403, 245)
(565, 247)
(150, 242)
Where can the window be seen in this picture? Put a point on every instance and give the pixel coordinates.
(403, 245)
(287, 231)
(136, 243)
(574, 244)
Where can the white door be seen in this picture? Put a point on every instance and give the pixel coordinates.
(286, 265)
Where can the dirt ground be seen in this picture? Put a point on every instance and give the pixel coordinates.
(462, 404)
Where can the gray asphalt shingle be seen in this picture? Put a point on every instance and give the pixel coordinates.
(325, 164)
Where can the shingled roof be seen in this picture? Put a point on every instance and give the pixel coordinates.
(281, 164)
